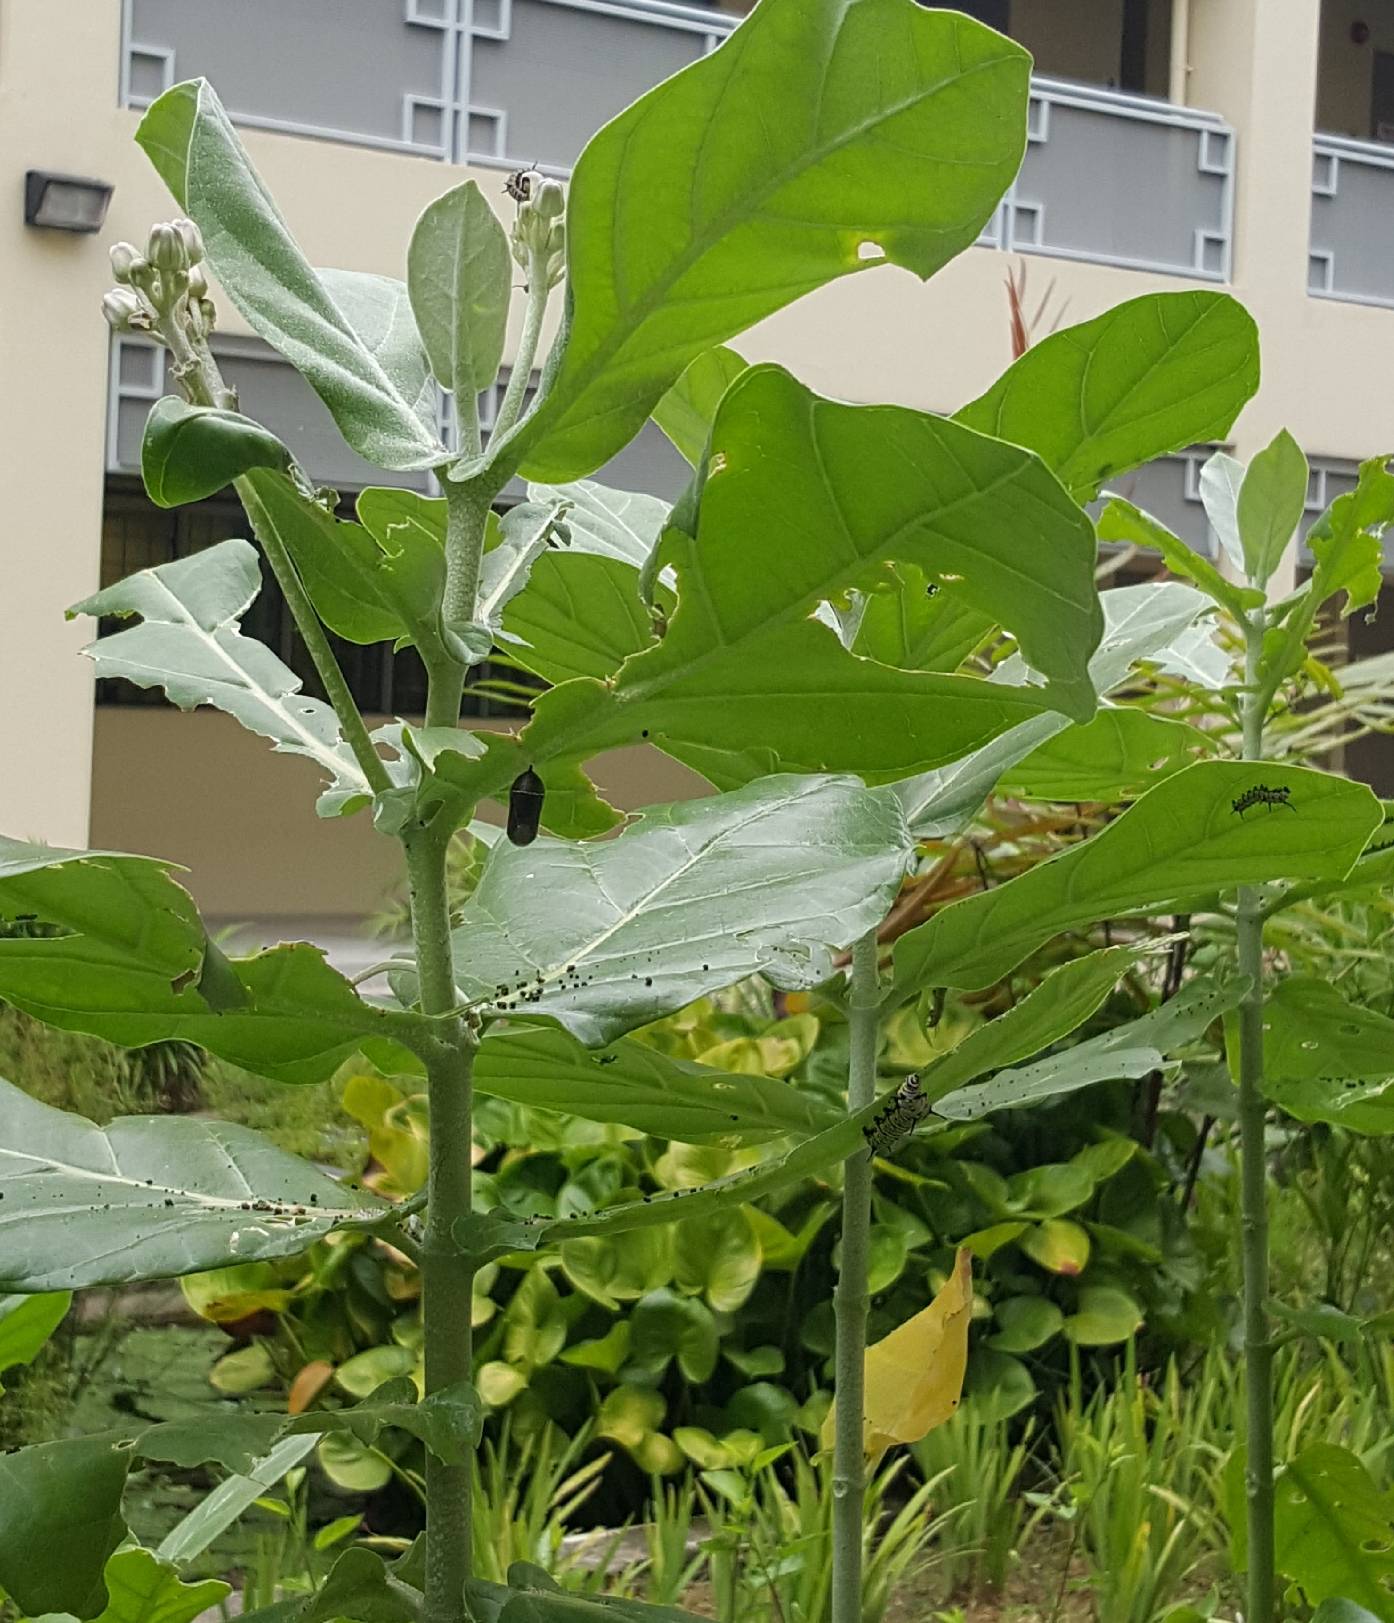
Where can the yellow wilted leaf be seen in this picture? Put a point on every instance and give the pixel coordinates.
(914, 1376)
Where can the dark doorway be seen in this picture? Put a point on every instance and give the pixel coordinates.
(1382, 97)
(995, 13)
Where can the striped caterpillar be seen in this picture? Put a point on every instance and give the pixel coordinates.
(897, 1118)
(1262, 795)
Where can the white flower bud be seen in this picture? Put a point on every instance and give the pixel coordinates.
(125, 256)
(192, 238)
(166, 250)
(549, 199)
(120, 306)
(198, 282)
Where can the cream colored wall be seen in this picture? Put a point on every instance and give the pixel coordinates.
(198, 789)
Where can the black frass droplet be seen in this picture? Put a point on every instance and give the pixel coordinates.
(525, 807)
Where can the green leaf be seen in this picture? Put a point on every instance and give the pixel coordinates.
(608, 1353)
(1326, 1059)
(26, 1323)
(1335, 1529)
(772, 879)
(213, 1515)
(366, 585)
(1342, 1611)
(352, 1465)
(1152, 375)
(1131, 1050)
(758, 174)
(632, 1083)
(1104, 1317)
(190, 452)
(1176, 848)
(1270, 505)
(1064, 1000)
(151, 1197)
(664, 1326)
(621, 524)
(189, 644)
(1118, 755)
(1140, 623)
(1121, 521)
(189, 139)
(1221, 478)
(1024, 1323)
(134, 965)
(907, 620)
(618, 1268)
(580, 616)
(492, 1603)
(1058, 1245)
(459, 275)
(361, 1587)
(718, 1258)
(143, 1589)
(686, 412)
(60, 1519)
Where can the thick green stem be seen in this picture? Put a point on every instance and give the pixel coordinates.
(447, 1275)
(1253, 1111)
(520, 375)
(851, 1301)
(467, 516)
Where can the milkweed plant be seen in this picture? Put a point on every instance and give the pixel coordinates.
(800, 629)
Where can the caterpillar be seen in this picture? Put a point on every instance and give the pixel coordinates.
(525, 807)
(898, 1118)
(1262, 795)
(519, 184)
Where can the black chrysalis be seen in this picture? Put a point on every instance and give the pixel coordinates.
(525, 807)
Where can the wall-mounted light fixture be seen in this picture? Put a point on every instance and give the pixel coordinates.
(64, 202)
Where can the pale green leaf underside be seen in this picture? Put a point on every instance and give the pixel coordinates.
(150, 1197)
(771, 879)
(190, 645)
(1180, 845)
(1326, 1059)
(758, 174)
(367, 381)
(459, 273)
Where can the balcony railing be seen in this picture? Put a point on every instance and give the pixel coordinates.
(1112, 178)
(1121, 180)
(1351, 256)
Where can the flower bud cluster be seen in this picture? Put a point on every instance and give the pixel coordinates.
(166, 281)
(539, 233)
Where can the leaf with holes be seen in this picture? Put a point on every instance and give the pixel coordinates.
(1118, 755)
(1325, 1059)
(1335, 1530)
(1149, 376)
(189, 644)
(772, 879)
(360, 360)
(771, 156)
(151, 1197)
(1178, 846)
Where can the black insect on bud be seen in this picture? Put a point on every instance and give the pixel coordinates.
(525, 807)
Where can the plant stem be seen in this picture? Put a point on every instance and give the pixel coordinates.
(1258, 1346)
(447, 1274)
(851, 1302)
(521, 372)
(467, 516)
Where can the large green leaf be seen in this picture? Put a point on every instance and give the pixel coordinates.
(1342, 1611)
(60, 1519)
(188, 137)
(460, 274)
(367, 585)
(133, 964)
(189, 644)
(1335, 1529)
(1176, 848)
(1131, 1050)
(1121, 521)
(770, 879)
(215, 1513)
(189, 452)
(151, 1197)
(620, 524)
(686, 412)
(26, 1323)
(529, 1602)
(1140, 623)
(632, 1083)
(1325, 1059)
(580, 615)
(909, 621)
(1152, 375)
(777, 163)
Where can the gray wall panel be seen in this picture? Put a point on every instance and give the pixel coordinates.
(1352, 245)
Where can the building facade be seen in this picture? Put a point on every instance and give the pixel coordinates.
(1247, 144)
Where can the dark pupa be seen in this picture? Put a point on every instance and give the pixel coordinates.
(525, 807)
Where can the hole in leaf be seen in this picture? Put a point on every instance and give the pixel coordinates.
(870, 251)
